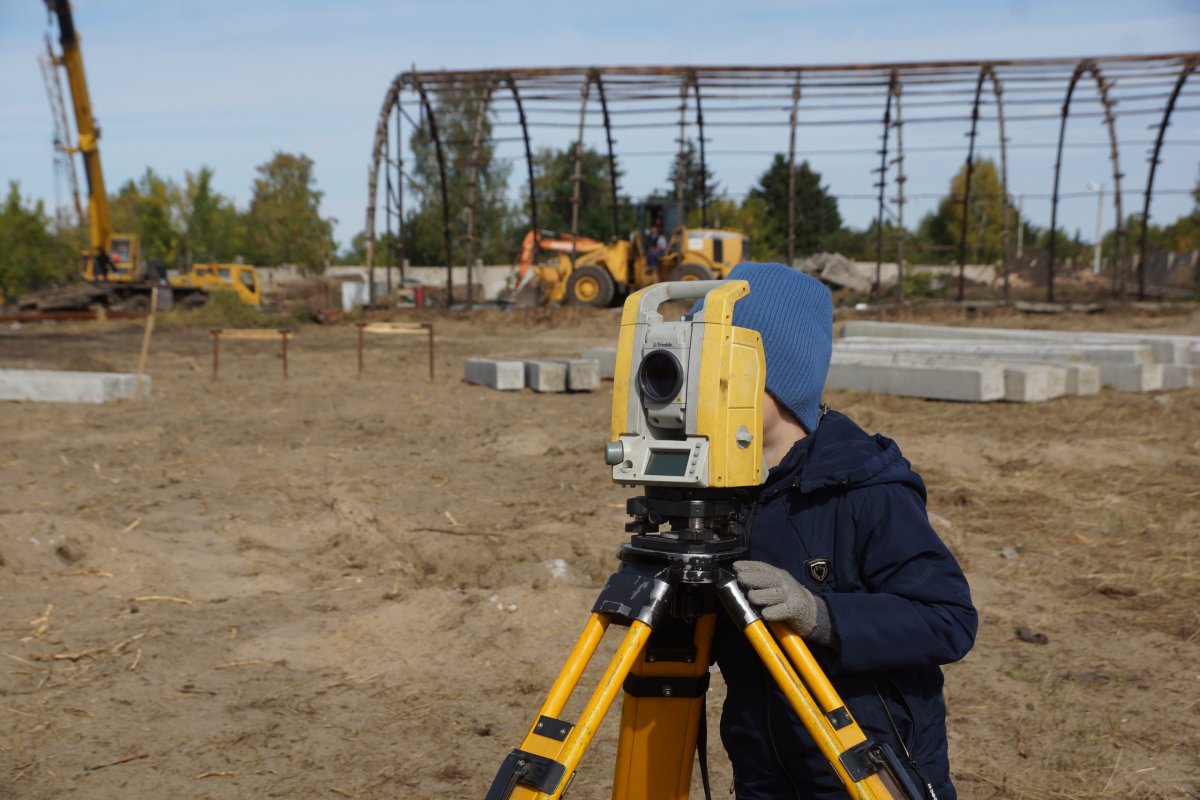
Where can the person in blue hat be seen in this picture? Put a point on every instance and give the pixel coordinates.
(841, 549)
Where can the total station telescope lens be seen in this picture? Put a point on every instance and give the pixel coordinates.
(660, 376)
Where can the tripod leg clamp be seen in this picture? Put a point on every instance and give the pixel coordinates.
(534, 771)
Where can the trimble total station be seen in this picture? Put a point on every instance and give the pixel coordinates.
(687, 426)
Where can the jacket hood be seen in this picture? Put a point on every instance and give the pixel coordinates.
(842, 455)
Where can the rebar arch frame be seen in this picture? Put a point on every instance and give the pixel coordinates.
(714, 89)
(1189, 67)
(1086, 65)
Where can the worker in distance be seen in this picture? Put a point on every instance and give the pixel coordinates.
(841, 549)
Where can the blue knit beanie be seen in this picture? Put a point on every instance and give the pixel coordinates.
(794, 314)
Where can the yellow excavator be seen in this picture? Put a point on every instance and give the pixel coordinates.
(114, 274)
(586, 272)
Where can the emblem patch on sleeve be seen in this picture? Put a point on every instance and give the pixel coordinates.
(818, 569)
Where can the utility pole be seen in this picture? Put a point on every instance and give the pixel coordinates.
(1099, 224)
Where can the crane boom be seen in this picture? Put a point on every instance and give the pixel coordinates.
(71, 60)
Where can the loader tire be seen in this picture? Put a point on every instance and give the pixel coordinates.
(591, 286)
(692, 272)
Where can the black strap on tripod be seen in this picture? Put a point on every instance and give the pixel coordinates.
(702, 748)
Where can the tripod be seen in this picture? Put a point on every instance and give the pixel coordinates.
(668, 591)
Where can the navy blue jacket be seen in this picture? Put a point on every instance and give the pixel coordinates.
(899, 604)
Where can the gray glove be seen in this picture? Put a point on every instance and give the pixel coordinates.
(780, 597)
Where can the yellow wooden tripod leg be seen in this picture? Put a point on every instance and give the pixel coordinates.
(551, 751)
(660, 719)
(839, 738)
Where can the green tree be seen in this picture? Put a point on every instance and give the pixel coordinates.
(28, 252)
(817, 219)
(750, 217)
(284, 223)
(495, 233)
(698, 181)
(212, 227)
(554, 178)
(149, 208)
(1183, 234)
(985, 217)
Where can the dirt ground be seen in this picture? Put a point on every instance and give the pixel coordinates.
(361, 588)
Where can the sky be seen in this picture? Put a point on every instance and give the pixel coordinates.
(180, 84)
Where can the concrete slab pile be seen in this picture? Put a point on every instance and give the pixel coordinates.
(932, 380)
(52, 386)
(1078, 362)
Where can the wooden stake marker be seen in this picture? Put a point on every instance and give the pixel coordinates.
(249, 334)
(394, 328)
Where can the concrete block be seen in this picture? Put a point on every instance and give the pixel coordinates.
(1033, 383)
(607, 359)
(546, 376)
(1179, 376)
(53, 386)
(1082, 379)
(945, 381)
(502, 374)
(1132, 377)
(583, 374)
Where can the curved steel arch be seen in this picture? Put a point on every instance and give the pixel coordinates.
(512, 85)
(620, 89)
(986, 72)
(1086, 65)
(390, 99)
(612, 158)
(1189, 67)
(441, 162)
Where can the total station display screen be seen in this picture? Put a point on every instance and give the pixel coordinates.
(668, 462)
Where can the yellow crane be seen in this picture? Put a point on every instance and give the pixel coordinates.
(115, 275)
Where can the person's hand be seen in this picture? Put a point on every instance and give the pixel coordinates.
(779, 596)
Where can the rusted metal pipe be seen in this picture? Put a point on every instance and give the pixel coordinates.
(966, 200)
(882, 184)
(703, 165)
(577, 177)
(680, 175)
(791, 208)
(473, 187)
(1103, 86)
(998, 90)
(900, 179)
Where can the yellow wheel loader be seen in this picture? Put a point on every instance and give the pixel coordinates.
(586, 272)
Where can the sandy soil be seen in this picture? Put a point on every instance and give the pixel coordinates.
(332, 587)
